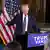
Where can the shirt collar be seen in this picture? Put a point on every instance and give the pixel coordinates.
(24, 15)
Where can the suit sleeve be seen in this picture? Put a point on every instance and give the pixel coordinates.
(36, 29)
(12, 22)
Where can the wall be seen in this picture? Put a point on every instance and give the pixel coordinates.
(42, 10)
(38, 3)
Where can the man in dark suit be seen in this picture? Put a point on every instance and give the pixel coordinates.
(24, 24)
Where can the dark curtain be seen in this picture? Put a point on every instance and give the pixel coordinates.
(47, 11)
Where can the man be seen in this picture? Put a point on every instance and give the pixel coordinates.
(24, 24)
(13, 46)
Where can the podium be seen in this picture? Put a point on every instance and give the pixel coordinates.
(35, 40)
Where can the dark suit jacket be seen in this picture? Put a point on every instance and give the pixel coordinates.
(18, 21)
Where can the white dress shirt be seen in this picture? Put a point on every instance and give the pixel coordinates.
(26, 28)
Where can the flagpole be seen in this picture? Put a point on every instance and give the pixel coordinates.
(3, 4)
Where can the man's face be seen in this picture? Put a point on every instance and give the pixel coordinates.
(25, 9)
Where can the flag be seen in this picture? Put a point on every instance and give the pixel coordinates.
(9, 11)
(6, 30)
